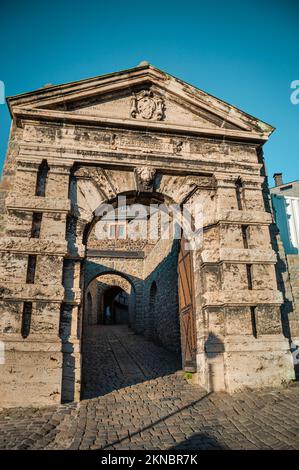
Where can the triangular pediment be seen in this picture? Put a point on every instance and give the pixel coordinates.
(142, 104)
(140, 96)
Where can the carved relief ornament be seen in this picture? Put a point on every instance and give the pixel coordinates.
(147, 106)
(145, 177)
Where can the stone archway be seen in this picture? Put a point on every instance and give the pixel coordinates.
(91, 183)
(111, 293)
(134, 272)
(117, 294)
(96, 139)
(97, 288)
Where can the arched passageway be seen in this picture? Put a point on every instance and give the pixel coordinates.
(139, 295)
(109, 299)
(108, 307)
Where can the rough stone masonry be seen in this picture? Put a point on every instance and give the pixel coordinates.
(154, 138)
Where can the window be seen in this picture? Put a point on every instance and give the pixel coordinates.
(41, 179)
(26, 319)
(31, 266)
(65, 320)
(239, 193)
(117, 231)
(249, 275)
(253, 321)
(36, 224)
(245, 235)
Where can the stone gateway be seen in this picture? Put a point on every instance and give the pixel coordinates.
(146, 135)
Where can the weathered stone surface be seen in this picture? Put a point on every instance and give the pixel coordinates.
(33, 245)
(37, 204)
(151, 137)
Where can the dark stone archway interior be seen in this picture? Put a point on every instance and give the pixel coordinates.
(114, 355)
(115, 307)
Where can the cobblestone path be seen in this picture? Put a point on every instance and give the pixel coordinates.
(123, 358)
(144, 402)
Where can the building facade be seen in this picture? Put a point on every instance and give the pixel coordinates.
(155, 139)
(285, 204)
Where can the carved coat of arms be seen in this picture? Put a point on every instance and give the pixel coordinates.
(147, 106)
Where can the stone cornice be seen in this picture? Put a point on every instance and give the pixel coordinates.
(49, 97)
(37, 341)
(237, 255)
(242, 298)
(127, 159)
(61, 116)
(249, 182)
(31, 292)
(247, 343)
(38, 204)
(33, 246)
(237, 217)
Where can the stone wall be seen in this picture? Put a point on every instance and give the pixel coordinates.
(91, 316)
(293, 318)
(161, 323)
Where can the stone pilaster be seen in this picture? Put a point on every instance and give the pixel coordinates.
(240, 296)
(43, 295)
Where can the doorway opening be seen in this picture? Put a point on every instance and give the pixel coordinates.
(109, 300)
(151, 295)
(115, 306)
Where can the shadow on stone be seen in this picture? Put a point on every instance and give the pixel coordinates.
(199, 441)
(214, 351)
(158, 423)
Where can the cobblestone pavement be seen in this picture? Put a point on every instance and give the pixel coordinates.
(144, 402)
(123, 358)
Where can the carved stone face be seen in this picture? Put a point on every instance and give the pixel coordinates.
(145, 177)
(146, 174)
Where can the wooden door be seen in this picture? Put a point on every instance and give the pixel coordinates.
(187, 308)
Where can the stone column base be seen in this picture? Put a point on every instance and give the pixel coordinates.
(246, 362)
(30, 372)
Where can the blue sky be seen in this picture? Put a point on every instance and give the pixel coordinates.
(244, 52)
